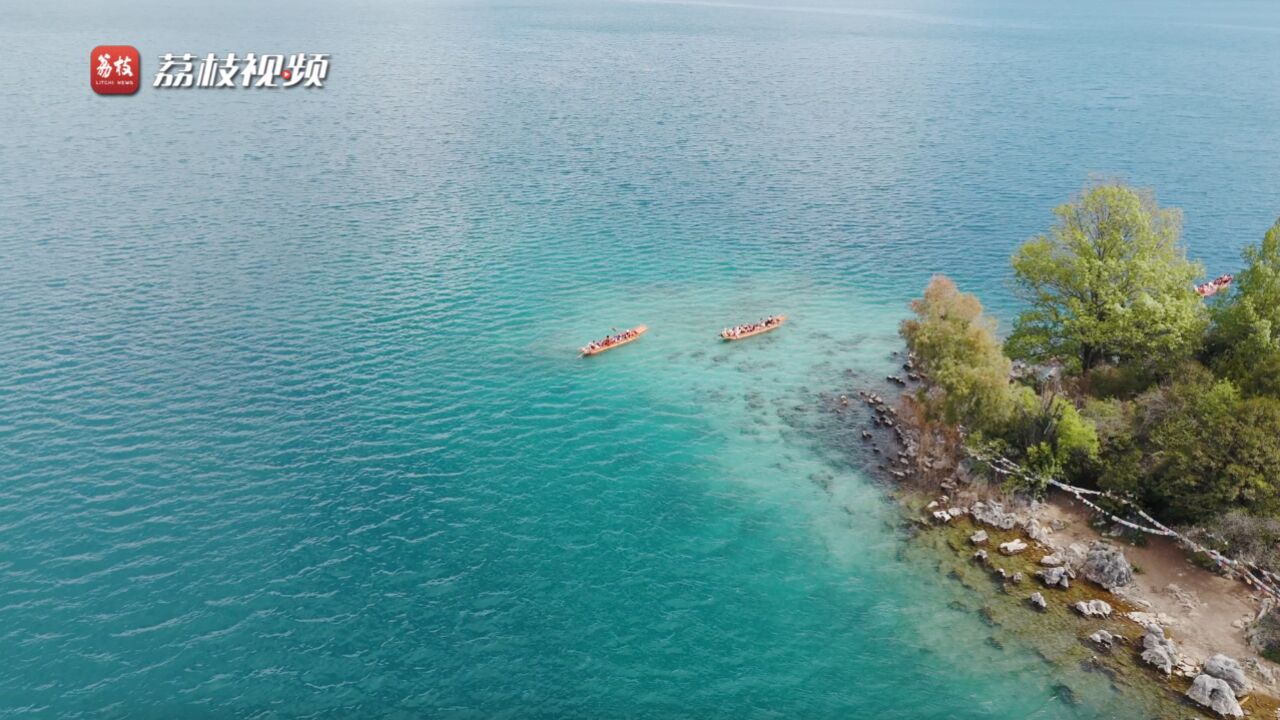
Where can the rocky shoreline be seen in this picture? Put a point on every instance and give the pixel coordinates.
(1037, 557)
(1095, 583)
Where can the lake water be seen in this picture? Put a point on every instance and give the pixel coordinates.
(291, 422)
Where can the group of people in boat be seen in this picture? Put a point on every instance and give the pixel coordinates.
(740, 330)
(1213, 286)
(734, 333)
(610, 341)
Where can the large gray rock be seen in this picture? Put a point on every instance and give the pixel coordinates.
(993, 514)
(1159, 650)
(1107, 566)
(1215, 694)
(1074, 554)
(1035, 531)
(1038, 601)
(1055, 577)
(1102, 638)
(979, 538)
(1225, 668)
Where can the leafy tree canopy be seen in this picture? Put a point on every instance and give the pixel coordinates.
(1109, 279)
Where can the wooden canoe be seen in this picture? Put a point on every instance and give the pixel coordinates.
(757, 331)
(639, 330)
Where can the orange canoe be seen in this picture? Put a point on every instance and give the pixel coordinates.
(636, 332)
(757, 331)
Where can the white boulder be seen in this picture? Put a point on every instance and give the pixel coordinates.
(1159, 650)
(1013, 547)
(1093, 608)
(1215, 694)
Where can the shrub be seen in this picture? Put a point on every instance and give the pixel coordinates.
(957, 347)
(1208, 450)
(1265, 636)
(1246, 537)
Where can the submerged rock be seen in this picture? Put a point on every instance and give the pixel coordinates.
(1093, 608)
(1038, 601)
(1107, 566)
(1215, 694)
(1159, 650)
(1227, 669)
(1013, 547)
(979, 538)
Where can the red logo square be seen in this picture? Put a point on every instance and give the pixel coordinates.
(114, 69)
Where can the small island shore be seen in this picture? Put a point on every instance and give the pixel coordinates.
(1197, 616)
(1126, 411)
(1202, 613)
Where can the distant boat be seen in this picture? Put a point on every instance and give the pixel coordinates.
(1212, 287)
(772, 323)
(613, 341)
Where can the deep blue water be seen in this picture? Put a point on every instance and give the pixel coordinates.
(290, 419)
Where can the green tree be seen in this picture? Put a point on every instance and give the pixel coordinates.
(1245, 340)
(1110, 278)
(957, 346)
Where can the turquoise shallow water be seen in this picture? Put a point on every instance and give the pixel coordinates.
(297, 430)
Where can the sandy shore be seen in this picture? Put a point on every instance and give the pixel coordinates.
(1204, 612)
